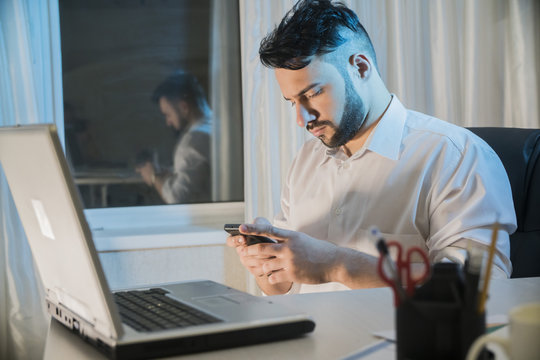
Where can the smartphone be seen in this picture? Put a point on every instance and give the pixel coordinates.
(250, 239)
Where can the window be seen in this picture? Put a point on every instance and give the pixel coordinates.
(114, 55)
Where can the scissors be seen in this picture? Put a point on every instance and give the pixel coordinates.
(402, 271)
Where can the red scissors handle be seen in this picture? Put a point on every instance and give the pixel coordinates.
(412, 282)
(389, 281)
(405, 266)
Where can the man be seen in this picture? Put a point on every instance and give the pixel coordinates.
(420, 180)
(182, 101)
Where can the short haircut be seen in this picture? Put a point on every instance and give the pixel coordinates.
(311, 28)
(183, 86)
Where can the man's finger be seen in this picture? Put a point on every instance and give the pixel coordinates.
(244, 253)
(262, 250)
(265, 230)
(278, 276)
(273, 265)
(254, 262)
(235, 241)
(261, 221)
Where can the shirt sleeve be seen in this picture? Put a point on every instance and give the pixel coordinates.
(471, 193)
(295, 289)
(190, 180)
(457, 253)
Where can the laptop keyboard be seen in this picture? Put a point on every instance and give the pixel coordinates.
(150, 310)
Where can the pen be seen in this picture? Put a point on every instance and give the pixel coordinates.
(489, 264)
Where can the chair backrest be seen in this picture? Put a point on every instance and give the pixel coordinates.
(519, 151)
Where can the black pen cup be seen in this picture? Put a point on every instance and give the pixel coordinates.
(439, 321)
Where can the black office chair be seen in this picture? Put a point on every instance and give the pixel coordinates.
(519, 150)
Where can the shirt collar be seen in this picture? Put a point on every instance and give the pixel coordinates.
(386, 137)
(203, 121)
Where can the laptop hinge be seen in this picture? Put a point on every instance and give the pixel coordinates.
(60, 296)
(77, 316)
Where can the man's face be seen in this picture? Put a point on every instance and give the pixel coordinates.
(171, 113)
(326, 103)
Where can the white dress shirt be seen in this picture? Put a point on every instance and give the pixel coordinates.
(190, 180)
(420, 180)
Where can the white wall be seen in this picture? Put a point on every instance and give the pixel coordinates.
(154, 266)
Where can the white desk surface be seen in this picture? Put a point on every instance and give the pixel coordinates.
(345, 323)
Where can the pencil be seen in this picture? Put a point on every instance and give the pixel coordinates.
(487, 276)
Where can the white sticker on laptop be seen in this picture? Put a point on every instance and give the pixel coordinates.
(43, 220)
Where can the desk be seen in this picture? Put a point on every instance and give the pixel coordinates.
(345, 321)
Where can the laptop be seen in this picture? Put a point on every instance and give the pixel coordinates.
(177, 318)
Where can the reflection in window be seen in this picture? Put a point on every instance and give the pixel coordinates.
(184, 106)
(129, 141)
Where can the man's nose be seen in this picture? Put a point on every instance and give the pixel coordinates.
(303, 116)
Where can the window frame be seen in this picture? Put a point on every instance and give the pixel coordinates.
(178, 222)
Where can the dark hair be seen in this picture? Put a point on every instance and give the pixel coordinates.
(182, 86)
(311, 27)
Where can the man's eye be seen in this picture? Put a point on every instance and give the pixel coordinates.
(314, 93)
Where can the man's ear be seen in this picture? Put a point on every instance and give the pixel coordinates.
(361, 65)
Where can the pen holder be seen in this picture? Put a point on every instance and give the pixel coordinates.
(439, 322)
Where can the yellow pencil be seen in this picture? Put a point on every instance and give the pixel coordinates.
(487, 275)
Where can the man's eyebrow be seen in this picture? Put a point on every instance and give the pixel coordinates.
(305, 90)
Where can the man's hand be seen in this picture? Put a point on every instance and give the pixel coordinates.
(148, 173)
(296, 258)
(300, 258)
(254, 263)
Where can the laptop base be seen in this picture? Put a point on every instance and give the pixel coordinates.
(200, 343)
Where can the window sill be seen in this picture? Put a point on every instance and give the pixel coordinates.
(153, 238)
(137, 228)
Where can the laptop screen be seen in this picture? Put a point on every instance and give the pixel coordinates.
(51, 213)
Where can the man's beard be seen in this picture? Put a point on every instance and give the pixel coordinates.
(351, 120)
(182, 126)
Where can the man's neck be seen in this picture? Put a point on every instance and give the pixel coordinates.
(191, 121)
(372, 119)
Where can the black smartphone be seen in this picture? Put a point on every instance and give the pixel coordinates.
(250, 239)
